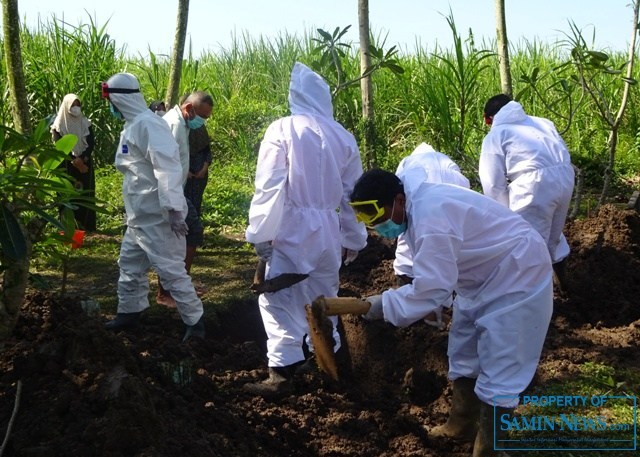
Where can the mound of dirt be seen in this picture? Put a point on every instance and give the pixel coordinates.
(86, 391)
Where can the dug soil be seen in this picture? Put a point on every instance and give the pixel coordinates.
(83, 391)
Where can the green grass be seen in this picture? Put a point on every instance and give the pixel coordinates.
(225, 263)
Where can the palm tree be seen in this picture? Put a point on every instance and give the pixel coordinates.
(366, 87)
(178, 53)
(13, 61)
(503, 49)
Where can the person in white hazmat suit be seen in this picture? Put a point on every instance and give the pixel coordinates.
(525, 165)
(499, 267)
(300, 220)
(424, 164)
(155, 205)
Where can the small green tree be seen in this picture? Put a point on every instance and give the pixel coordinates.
(34, 189)
(582, 82)
(589, 65)
(333, 55)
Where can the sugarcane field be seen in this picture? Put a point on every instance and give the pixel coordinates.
(323, 241)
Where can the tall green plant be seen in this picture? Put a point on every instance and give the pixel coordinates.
(449, 90)
(60, 59)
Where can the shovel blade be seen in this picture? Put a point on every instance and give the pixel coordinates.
(321, 333)
(278, 283)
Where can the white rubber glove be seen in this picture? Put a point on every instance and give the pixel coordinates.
(375, 312)
(438, 322)
(349, 256)
(178, 225)
(264, 250)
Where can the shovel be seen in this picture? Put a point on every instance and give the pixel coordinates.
(321, 328)
(282, 281)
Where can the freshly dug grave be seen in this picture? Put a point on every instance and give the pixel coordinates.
(89, 392)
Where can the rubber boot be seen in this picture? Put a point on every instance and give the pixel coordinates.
(560, 275)
(462, 423)
(307, 366)
(123, 320)
(484, 445)
(279, 382)
(195, 331)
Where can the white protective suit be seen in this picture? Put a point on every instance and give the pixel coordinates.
(424, 164)
(500, 269)
(307, 166)
(148, 158)
(525, 166)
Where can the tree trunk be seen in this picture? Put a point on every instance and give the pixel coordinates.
(178, 53)
(13, 61)
(366, 87)
(14, 285)
(503, 49)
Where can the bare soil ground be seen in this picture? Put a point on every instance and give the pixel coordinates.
(88, 392)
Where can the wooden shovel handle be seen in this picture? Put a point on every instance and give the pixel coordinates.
(344, 305)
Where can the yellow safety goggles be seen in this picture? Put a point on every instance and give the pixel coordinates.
(367, 211)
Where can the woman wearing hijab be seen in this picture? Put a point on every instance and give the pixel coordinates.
(70, 120)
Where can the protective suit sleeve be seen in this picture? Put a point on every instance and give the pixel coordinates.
(165, 158)
(435, 276)
(353, 233)
(493, 170)
(267, 204)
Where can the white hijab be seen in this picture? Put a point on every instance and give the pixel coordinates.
(66, 123)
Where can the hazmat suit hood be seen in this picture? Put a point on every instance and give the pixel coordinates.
(309, 93)
(510, 113)
(129, 104)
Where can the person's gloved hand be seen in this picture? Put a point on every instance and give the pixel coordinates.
(375, 312)
(438, 323)
(264, 250)
(348, 256)
(178, 225)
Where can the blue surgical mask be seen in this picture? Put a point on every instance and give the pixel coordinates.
(115, 113)
(390, 229)
(195, 123)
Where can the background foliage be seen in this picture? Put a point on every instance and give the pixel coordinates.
(438, 99)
